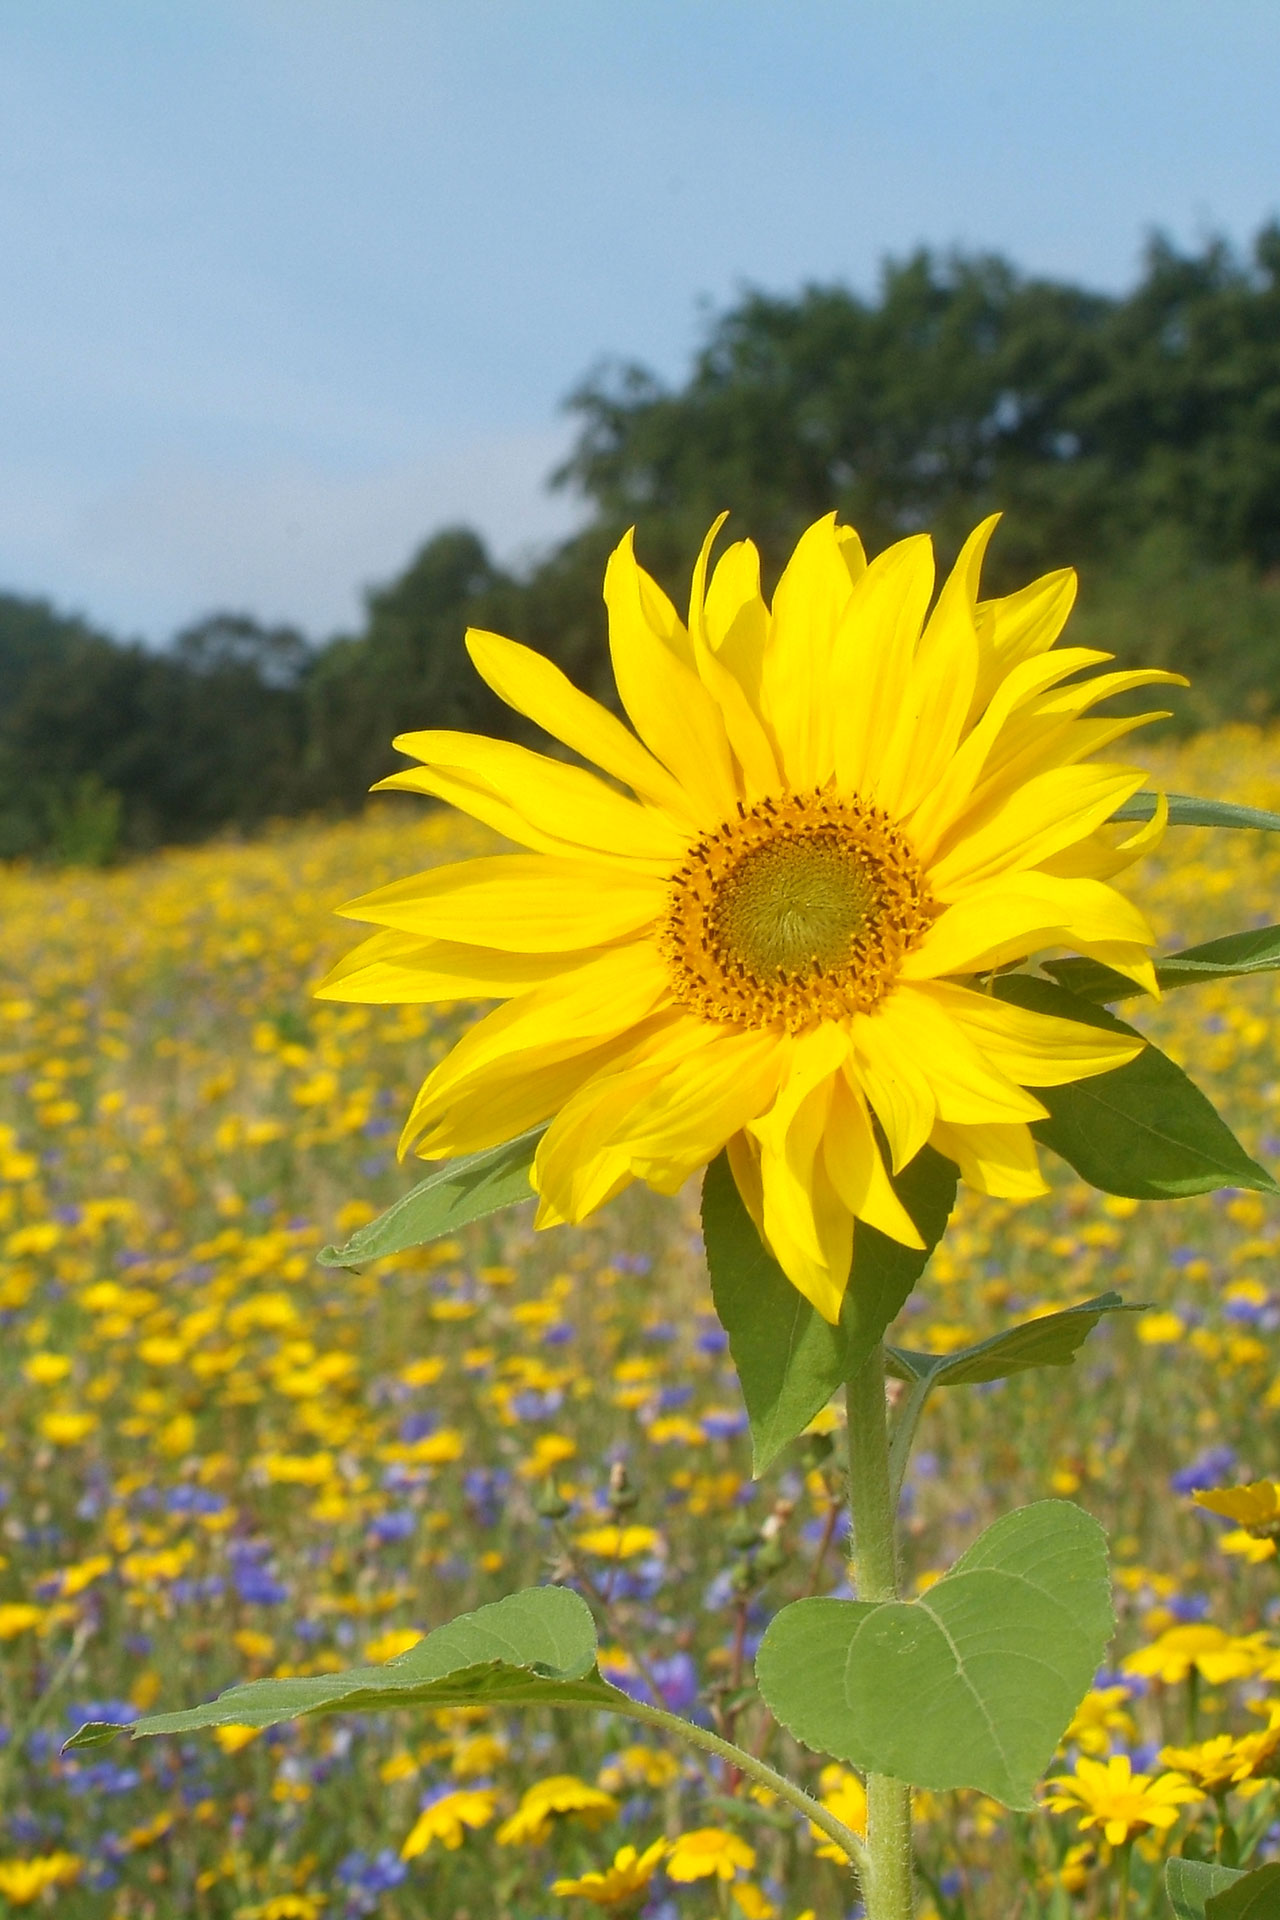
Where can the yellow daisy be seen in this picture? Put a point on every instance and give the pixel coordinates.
(845, 809)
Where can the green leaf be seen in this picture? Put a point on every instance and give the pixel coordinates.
(537, 1647)
(1145, 1129)
(453, 1196)
(971, 1685)
(1189, 1883)
(1051, 1341)
(1256, 950)
(789, 1359)
(1186, 811)
(1256, 1896)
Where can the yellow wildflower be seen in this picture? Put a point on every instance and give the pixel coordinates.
(18, 1616)
(1223, 1761)
(619, 1543)
(1108, 1794)
(709, 1852)
(1256, 1508)
(234, 1735)
(1100, 1715)
(447, 1818)
(638, 1765)
(621, 1885)
(23, 1881)
(1216, 1655)
(843, 1794)
(843, 811)
(561, 1795)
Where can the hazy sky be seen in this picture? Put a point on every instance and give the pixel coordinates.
(287, 283)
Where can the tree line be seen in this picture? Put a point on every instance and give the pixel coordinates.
(1135, 436)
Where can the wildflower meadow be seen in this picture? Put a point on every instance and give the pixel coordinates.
(223, 1461)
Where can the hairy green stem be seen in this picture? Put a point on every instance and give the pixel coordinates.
(758, 1770)
(888, 1878)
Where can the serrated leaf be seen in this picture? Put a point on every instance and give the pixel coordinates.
(1053, 1340)
(971, 1685)
(1189, 1883)
(789, 1359)
(453, 1196)
(1144, 1130)
(536, 1647)
(1186, 811)
(1254, 1897)
(1256, 950)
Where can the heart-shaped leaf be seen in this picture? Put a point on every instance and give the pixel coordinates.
(1189, 1883)
(971, 1685)
(1186, 811)
(789, 1359)
(1254, 1896)
(536, 1647)
(457, 1193)
(1202, 1890)
(1051, 1341)
(1255, 950)
(1143, 1129)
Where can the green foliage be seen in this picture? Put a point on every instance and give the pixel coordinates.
(1201, 1890)
(1132, 436)
(1051, 1341)
(1144, 1129)
(457, 1193)
(789, 1359)
(1256, 950)
(536, 1647)
(1186, 811)
(972, 1684)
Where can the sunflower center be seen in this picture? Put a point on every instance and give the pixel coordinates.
(802, 908)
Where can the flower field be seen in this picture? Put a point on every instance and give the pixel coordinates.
(220, 1460)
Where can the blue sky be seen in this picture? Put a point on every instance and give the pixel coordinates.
(287, 283)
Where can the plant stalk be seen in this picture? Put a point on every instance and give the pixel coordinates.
(888, 1883)
(763, 1774)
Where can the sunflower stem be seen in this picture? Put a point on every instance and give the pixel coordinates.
(888, 1884)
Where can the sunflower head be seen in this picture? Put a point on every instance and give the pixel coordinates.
(830, 820)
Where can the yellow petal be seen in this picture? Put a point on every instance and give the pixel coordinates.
(938, 695)
(1103, 853)
(535, 687)
(520, 902)
(668, 705)
(802, 1214)
(896, 1085)
(997, 1160)
(1035, 1049)
(1047, 813)
(967, 1084)
(565, 802)
(808, 606)
(736, 617)
(1021, 626)
(1010, 917)
(852, 1159)
(750, 742)
(518, 1044)
(400, 969)
(953, 793)
(661, 1114)
(873, 653)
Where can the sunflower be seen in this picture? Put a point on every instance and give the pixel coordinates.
(844, 812)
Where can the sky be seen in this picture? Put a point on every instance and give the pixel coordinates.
(287, 284)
